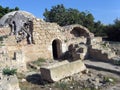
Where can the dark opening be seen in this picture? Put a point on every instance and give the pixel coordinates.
(77, 32)
(57, 51)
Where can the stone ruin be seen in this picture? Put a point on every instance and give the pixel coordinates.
(30, 38)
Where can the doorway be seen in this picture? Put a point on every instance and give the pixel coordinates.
(57, 48)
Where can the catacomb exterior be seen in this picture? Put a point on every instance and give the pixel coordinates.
(49, 40)
(30, 38)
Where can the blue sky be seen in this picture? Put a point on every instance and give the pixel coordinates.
(104, 10)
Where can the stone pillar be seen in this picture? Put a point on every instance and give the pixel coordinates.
(20, 63)
(18, 56)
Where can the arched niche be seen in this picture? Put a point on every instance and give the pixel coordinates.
(57, 48)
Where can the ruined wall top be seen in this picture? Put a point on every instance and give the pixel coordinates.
(69, 28)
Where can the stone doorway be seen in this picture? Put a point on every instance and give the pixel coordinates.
(57, 48)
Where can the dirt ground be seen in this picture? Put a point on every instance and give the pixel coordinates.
(91, 80)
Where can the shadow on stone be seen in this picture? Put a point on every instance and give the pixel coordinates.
(36, 79)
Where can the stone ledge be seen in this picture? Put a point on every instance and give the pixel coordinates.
(60, 71)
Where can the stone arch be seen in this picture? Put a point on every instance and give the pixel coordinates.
(77, 32)
(57, 48)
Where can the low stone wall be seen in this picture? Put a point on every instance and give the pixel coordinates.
(61, 70)
(97, 55)
(104, 54)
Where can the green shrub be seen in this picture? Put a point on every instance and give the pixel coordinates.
(62, 85)
(110, 80)
(39, 61)
(65, 41)
(1, 38)
(7, 71)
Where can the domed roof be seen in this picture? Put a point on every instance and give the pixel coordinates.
(5, 17)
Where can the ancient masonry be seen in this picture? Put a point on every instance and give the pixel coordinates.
(28, 38)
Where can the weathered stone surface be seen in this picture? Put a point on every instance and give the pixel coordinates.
(101, 51)
(61, 70)
(78, 51)
(44, 33)
(95, 40)
(9, 83)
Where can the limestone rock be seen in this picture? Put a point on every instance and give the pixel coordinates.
(9, 83)
(60, 71)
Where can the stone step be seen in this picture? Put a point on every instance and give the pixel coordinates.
(102, 66)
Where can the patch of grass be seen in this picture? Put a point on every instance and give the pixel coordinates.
(34, 65)
(104, 45)
(29, 86)
(8, 71)
(25, 86)
(2, 45)
(39, 61)
(1, 38)
(110, 80)
(117, 62)
(88, 88)
(65, 41)
(62, 85)
(20, 75)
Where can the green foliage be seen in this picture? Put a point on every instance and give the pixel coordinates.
(5, 10)
(62, 85)
(99, 29)
(8, 71)
(63, 16)
(39, 61)
(110, 80)
(1, 38)
(117, 62)
(113, 31)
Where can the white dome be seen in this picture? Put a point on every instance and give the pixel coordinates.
(5, 17)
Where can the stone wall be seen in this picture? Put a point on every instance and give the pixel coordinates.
(43, 36)
(4, 31)
(77, 34)
(44, 33)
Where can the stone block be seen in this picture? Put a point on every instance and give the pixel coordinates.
(61, 70)
(96, 40)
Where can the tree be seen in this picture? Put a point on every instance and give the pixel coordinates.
(113, 31)
(56, 14)
(99, 29)
(63, 16)
(6, 10)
